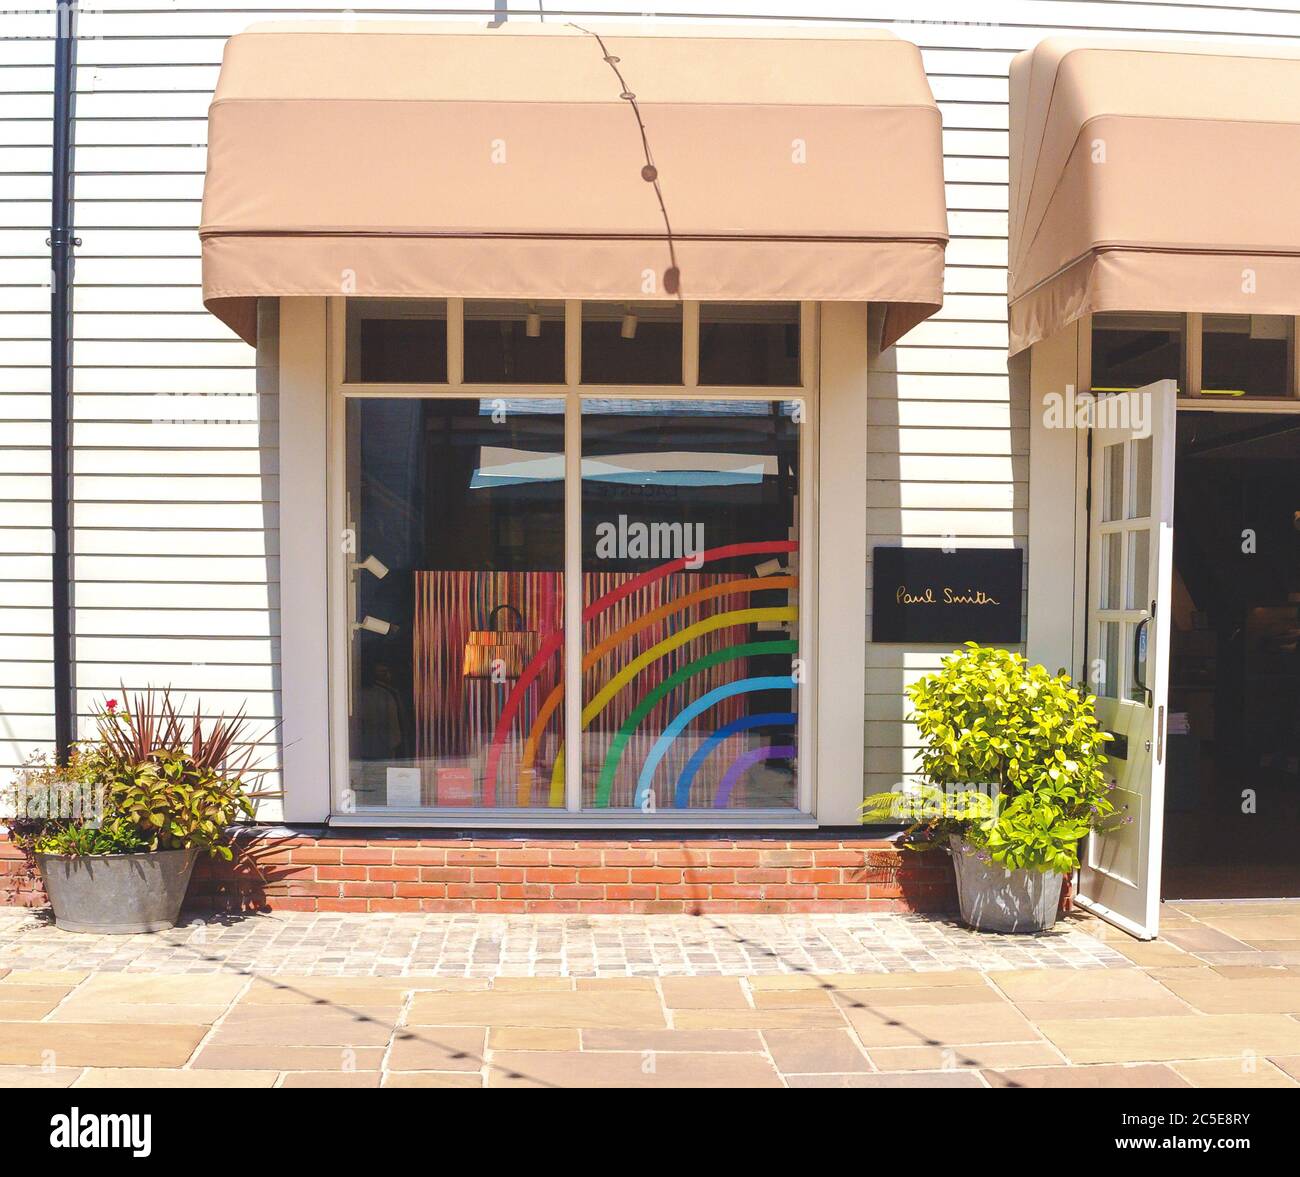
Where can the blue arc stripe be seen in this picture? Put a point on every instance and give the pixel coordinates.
(783, 682)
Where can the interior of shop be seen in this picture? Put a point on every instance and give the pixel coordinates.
(1232, 782)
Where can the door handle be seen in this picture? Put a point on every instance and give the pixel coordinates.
(1138, 636)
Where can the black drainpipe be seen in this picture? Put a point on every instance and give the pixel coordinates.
(61, 243)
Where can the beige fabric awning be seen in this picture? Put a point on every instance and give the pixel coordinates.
(431, 160)
(1152, 176)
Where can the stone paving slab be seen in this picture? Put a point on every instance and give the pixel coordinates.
(631, 1069)
(136, 1077)
(96, 1044)
(867, 1082)
(431, 1079)
(937, 1016)
(42, 1076)
(1240, 995)
(1141, 1075)
(1231, 1073)
(1130, 1040)
(572, 1010)
(456, 1048)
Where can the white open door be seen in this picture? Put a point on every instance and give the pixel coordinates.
(1130, 571)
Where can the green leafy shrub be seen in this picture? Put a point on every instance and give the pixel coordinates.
(1013, 760)
(160, 779)
(114, 837)
(174, 801)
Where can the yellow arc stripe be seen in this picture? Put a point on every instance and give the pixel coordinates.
(602, 699)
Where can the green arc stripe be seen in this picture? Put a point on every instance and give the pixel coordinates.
(642, 709)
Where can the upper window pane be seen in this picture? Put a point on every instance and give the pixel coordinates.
(1131, 351)
(1246, 355)
(749, 343)
(631, 343)
(396, 341)
(514, 342)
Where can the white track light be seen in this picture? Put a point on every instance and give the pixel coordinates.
(374, 565)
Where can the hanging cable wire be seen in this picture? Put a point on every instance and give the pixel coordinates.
(649, 173)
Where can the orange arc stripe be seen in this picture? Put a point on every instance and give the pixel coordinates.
(547, 709)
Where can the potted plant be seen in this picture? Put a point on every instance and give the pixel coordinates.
(1013, 778)
(116, 830)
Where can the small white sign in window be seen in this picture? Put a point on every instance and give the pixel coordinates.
(404, 788)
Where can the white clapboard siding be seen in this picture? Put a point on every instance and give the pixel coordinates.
(176, 467)
(259, 705)
(26, 109)
(219, 680)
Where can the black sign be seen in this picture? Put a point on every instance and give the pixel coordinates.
(963, 595)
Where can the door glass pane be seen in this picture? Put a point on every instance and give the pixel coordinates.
(690, 562)
(1139, 569)
(632, 343)
(396, 341)
(1111, 570)
(514, 342)
(456, 509)
(1106, 671)
(751, 343)
(1139, 492)
(1246, 355)
(1112, 479)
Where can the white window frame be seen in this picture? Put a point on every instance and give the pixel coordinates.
(573, 392)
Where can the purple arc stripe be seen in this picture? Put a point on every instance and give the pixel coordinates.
(682, 794)
(743, 762)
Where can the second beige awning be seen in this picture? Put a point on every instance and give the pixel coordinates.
(427, 160)
(1151, 176)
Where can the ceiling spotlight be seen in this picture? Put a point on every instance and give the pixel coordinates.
(374, 565)
(532, 324)
(374, 625)
(628, 327)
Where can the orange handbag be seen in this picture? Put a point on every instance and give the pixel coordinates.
(499, 653)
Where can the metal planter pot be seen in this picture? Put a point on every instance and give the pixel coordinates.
(116, 894)
(994, 899)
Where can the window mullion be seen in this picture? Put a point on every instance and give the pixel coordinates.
(573, 559)
(455, 342)
(1193, 339)
(691, 344)
(1294, 359)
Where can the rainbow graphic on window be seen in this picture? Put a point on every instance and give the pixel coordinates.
(714, 634)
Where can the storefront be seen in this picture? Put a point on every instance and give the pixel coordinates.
(597, 381)
(1155, 278)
